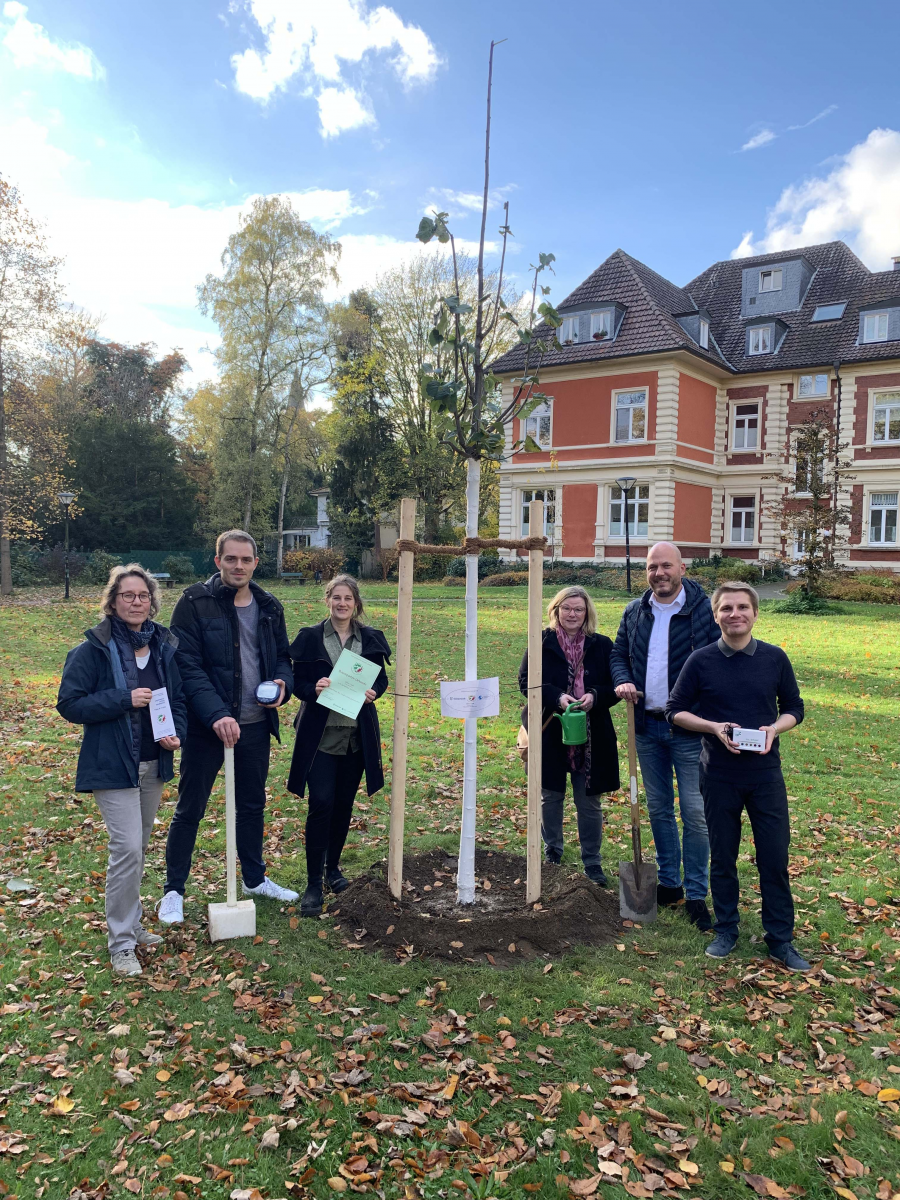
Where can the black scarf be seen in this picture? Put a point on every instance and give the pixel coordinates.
(137, 638)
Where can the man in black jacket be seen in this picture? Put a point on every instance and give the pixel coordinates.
(657, 633)
(734, 688)
(231, 637)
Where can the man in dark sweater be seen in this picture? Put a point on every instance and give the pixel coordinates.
(737, 684)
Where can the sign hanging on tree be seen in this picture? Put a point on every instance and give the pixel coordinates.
(475, 698)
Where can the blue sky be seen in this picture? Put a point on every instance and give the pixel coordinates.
(682, 133)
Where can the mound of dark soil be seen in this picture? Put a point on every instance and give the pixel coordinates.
(498, 928)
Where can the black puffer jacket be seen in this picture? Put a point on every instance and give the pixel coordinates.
(311, 663)
(209, 655)
(689, 630)
(604, 775)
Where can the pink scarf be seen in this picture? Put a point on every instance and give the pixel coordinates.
(579, 757)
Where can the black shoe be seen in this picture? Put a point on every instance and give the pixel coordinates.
(787, 955)
(552, 858)
(721, 946)
(311, 904)
(698, 914)
(595, 875)
(336, 879)
(667, 897)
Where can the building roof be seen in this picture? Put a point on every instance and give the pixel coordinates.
(652, 303)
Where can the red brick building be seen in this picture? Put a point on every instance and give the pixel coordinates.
(692, 391)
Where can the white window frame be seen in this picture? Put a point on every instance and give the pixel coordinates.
(881, 321)
(634, 502)
(548, 495)
(734, 448)
(630, 408)
(876, 504)
(814, 379)
(603, 319)
(532, 425)
(570, 327)
(758, 332)
(806, 491)
(703, 338)
(887, 401)
(753, 511)
(773, 277)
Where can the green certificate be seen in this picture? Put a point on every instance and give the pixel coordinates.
(350, 677)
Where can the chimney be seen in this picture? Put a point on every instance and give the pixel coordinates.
(896, 261)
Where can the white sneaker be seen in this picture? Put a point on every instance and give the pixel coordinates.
(125, 963)
(170, 909)
(144, 937)
(268, 889)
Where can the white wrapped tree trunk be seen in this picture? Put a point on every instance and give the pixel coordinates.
(465, 876)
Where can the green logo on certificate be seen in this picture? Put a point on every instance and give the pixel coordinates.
(349, 679)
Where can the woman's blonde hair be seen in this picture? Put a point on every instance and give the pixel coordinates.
(116, 575)
(567, 593)
(346, 581)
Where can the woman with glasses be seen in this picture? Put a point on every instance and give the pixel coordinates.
(575, 669)
(107, 685)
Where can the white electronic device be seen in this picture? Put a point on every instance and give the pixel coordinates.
(749, 739)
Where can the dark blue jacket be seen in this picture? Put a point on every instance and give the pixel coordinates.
(311, 663)
(689, 630)
(209, 655)
(93, 693)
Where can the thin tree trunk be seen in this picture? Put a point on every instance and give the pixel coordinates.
(279, 552)
(5, 559)
(465, 877)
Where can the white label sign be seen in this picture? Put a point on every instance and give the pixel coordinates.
(161, 715)
(475, 698)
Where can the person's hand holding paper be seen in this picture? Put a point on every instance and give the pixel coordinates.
(350, 679)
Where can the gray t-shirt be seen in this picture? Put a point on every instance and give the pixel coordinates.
(248, 627)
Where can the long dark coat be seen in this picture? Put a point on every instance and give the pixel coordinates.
(94, 693)
(311, 663)
(604, 776)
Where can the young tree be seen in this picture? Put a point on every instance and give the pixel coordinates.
(274, 270)
(805, 511)
(29, 295)
(463, 386)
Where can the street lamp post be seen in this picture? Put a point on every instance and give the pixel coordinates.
(626, 483)
(65, 499)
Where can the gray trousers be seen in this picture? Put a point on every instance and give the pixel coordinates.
(128, 814)
(589, 812)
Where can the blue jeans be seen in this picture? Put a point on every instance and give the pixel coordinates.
(661, 748)
(590, 822)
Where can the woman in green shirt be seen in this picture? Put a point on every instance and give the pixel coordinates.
(332, 751)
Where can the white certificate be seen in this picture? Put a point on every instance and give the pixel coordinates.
(161, 715)
(476, 698)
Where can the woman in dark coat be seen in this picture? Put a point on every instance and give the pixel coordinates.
(576, 667)
(331, 751)
(106, 686)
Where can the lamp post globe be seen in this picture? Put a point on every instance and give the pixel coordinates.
(66, 499)
(626, 483)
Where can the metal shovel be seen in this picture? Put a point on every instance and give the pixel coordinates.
(638, 879)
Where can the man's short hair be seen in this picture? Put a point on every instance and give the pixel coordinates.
(735, 586)
(234, 535)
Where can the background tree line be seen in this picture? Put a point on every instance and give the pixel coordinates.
(308, 394)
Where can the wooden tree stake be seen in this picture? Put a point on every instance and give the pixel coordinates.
(401, 699)
(535, 705)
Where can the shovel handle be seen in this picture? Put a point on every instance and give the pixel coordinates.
(230, 832)
(635, 810)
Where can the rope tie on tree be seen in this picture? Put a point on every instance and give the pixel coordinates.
(471, 545)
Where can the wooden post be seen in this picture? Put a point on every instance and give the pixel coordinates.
(535, 705)
(401, 699)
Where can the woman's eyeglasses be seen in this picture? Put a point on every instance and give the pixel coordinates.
(130, 597)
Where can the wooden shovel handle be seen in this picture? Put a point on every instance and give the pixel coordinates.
(635, 809)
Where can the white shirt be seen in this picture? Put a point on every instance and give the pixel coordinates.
(656, 685)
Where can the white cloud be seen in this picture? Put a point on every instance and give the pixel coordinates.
(341, 109)
(312, 39)
(31, 46)
(826, 112)
(760, 139)
(468, 202)
(857, 202)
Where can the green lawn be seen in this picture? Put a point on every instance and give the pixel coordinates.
(299, 1066)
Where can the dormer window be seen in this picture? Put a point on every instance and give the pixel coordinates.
(704, 335)
(760, 340)
(601, 325)
(568, 335)
(875, 327)
(770, 281)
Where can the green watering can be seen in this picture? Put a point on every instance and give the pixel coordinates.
(574, 725)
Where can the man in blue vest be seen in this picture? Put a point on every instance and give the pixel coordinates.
(657, 634)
